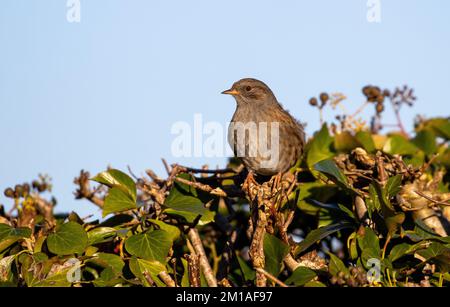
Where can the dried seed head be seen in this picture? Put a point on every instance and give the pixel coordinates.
(26, 189)
(379, 108)
(376, 91)
(324, 97)
(366, 90)
(35, 184)
(18, 189)
(313, 101)
(380, 99)
(9, 193)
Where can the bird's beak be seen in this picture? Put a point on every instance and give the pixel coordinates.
(231, 91)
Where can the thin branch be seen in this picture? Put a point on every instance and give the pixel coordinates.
(196, 241)
(206, 171)
(167, 279)
(256, 251)
(149, 279)
(291, 263)
(84, 189)
(193, 269)
(360, 109)
(399, 120)
(166, 166)
(225, 283)
(131, 173)
(154, 177)
(203, 187)
(271, 277)
(437, 202)
(428, 164)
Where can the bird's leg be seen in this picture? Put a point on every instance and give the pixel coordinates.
(275, 183)
(277, 180)
(249, 183)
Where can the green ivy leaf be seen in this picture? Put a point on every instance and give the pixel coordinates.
(320, 233)
(352, 248)
(369, 240)
(345, 142)
(188, 207)
(117, 201)
(249, 273)
(185, 188)
(399, 145)
(393, 185)
(140, 267)
(336, 265)
(340, 210)
(173, 231)
(440, 126)
(274, 251)
(314, 191)
(426, 140)
(101, 235)
(369, 245)
(106, 260)
(373, 202)
(6, 274)
(434, 250)
(438, 254)
(116, 220)
(57, 279)
(330, 169)
(320, 147)
(301, 276)
(151, 245)
(114, 178)
(423, 232)
(393, 220)
(399, 251)
(185, 278)
(10, 235)
(315, 284)
(365, 138)
(69, 238)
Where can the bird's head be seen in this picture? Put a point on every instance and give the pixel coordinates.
(251, 91)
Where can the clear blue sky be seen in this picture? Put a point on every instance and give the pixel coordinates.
(107, 90)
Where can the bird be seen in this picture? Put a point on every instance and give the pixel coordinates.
(267, 139)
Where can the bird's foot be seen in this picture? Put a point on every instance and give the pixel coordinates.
(249, 183)
(275, 182)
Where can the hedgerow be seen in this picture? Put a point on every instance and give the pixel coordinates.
(365, 206)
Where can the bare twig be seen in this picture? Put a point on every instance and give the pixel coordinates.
(399, 119)
(194, 237)
(149, 279)
(360, 109)
(271, 277)
(225, 283)
(437, 202)
(206, 171)
(154, 177)
(167, 279)
(166, 166)
(131, 173)
(193, 269)
(256, 251)
(203, 187)
(84, 189)
(291, 263)
(428, 164)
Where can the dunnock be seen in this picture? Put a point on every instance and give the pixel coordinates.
(264, 135)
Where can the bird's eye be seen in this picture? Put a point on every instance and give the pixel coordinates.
(248, 88)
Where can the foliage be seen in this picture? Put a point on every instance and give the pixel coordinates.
(358, 200)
